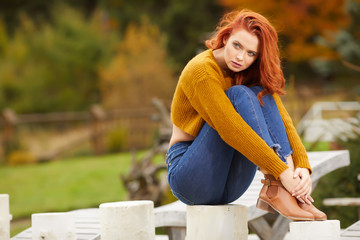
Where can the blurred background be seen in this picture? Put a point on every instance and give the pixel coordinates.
(85, 87)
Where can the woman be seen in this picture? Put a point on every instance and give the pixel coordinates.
(228, 121)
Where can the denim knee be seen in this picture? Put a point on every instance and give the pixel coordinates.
(241, 94)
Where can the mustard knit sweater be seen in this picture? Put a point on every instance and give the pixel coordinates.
(200, 97)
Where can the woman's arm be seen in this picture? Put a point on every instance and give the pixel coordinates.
(300, 183)
(208, 98)
(299, 155)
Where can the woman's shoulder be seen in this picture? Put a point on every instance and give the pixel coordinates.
(202, 64)
(203, 59)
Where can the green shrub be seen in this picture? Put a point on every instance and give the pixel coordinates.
(116, 140)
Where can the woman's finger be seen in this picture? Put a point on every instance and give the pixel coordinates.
(302, 184)
(305, 199)
(300, 199)
(305, 190)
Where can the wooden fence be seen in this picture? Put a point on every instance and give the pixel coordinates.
(140, 126)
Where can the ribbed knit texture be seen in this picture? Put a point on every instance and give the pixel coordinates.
(200, 97)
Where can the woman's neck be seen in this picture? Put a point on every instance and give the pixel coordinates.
(220, 60)
(219, 57)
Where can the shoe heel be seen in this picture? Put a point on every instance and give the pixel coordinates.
(264, 206)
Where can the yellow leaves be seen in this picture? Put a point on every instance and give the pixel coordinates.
(3, 37)
(138, 71)
(298, 52)
(139, 39)
(26, 23)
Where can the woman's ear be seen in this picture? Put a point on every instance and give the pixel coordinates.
(225, 40)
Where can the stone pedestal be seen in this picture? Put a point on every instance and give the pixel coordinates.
(319, 230)
(53, 226)
(5, 217)
(127, 220)
(218, 222)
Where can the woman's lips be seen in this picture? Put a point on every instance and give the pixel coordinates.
(236, 65)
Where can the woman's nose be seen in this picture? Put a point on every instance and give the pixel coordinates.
(240, 56)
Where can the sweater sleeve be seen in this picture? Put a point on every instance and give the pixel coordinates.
(210, 101)
(299, 155)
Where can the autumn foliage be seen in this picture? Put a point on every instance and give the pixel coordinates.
(139, 70)
(299, 23)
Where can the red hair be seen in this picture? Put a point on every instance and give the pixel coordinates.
(266, 70)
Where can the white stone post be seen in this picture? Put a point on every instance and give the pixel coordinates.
(204, 222)
(53, 226)
(5, 217)
(127, 220)
(319, 230)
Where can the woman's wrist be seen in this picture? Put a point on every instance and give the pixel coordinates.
(304, 170)
(287, 174)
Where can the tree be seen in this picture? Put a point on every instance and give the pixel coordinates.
(299, 23)
(139, 70)
(53, 67)
(38, 10)
(345, 42)
(183, 22)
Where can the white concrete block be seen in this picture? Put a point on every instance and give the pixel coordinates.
(127, 220)
(53, 226)
(204, 222)
(4, 217)
(319, 230)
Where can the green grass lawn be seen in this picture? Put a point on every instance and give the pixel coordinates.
(64, 185)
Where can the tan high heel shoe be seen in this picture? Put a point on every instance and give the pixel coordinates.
(274, 197)
(319, 215)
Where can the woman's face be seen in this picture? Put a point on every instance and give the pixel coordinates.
(241, 50)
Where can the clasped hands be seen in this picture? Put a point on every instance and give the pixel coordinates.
(298, 183)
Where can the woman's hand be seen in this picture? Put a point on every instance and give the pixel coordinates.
(298, 184)
(303, 189)
(288, 181)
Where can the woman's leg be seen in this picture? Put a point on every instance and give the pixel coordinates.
(275, 130)
(197, 173)
(211, 172)
(275, 124)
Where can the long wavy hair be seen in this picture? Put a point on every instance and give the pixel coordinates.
(266, 70)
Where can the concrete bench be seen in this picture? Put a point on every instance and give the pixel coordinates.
(172, 217)
(352, 232)
(87, 226)
(343, 202)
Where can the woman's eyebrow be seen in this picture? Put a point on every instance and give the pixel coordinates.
(237, 42)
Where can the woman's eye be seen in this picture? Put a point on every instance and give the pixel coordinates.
(236, 45)
(252, 54)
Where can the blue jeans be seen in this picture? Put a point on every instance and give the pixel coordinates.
(208, 170)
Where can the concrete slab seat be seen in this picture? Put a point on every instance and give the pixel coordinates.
(173, 216)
